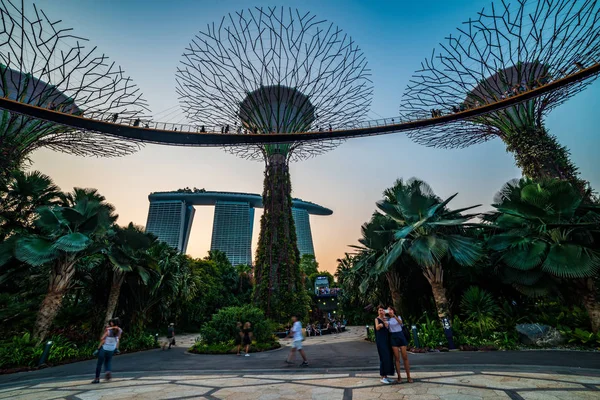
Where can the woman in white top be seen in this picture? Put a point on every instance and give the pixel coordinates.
(399, 343)
(106, 349)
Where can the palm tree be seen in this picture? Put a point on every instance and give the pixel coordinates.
(65, 234)
(244, 272)
(429, 234)
(128, 252)
(20, 196)
(376, 238)
(546, 237)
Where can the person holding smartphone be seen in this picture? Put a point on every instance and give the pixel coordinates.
(399, 343)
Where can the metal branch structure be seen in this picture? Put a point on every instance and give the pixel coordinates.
(510, 48)
(46, 65)
(274, 70)
(266, 71)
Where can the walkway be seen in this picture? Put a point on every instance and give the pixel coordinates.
(341, 367)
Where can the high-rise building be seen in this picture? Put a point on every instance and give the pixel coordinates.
(232, 230)
(171, 221)
(171, 215)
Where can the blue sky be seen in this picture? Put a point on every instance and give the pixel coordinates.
(147, 39)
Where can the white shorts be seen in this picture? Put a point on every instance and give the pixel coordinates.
(297, 344)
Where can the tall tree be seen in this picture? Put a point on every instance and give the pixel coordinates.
(429, 233)
(128, 253)
(64, 236)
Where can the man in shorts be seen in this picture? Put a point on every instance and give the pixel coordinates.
(298, 337)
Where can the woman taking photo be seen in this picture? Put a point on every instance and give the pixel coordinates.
(382, 339)
(399, 343)
(109, 343)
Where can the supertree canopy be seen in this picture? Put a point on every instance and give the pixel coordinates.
(44, 64)
(508, 49)
(275, 70)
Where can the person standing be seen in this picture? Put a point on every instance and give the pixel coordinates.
(171, 335)
(384, 348)
(298, 337)
(105, 352)
(247, 340)
(399, 344)
(238, 336)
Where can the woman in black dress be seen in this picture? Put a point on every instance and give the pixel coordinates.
(382, 339)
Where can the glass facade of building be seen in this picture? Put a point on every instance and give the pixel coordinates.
(171, 215)
(171, 221)
(232, 231)
(302, 222)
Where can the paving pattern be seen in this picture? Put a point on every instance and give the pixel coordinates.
(448, 385)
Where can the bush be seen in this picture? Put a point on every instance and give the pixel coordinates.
(22, 351)
(222, 328)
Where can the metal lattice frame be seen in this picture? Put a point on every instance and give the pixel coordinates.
(512, 47)
(44, 64)
(262, 47)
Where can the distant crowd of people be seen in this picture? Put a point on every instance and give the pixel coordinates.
(326, 291)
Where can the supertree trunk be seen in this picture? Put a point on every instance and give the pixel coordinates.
(278, 291)
(540, 156)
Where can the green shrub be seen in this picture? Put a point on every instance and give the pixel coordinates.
(580, 337)
(430, 333)
(480, 309)
(222, 328)
(22, 351)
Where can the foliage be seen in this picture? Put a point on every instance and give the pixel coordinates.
(278, 288)
(23, 351)
(480, 309)
(222, 327)
(308, 265)
(581, 337)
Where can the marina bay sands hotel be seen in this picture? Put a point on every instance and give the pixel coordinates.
(171, 215)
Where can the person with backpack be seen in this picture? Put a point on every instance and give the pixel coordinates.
(399, 343)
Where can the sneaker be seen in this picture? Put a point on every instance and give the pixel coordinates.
(288, 362)
(385, 381)
(96, 381)
(246, 355)
(304, 364)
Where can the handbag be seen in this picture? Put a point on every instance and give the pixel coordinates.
(406, 333)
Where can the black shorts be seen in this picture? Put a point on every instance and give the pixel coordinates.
(246, 340)
(398, 339)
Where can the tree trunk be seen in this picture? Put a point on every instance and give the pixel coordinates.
(113, 297)
(60, 278)
(539, 155)
(591, 304)
(435, 276)
(278, 290)
(394, 281)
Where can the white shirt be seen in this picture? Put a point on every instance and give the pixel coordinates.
(394, 325)
(297, 329)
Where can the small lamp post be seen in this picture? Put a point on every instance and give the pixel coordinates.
(448, 333)
(415, 336)
(45, 353)
(367, 332)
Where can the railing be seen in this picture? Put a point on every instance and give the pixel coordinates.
(194, 135)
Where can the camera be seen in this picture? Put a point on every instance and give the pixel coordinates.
(387, 313)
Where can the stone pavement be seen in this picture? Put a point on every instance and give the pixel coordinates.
(342, 366)
(484, 384)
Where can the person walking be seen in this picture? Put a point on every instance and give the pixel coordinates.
(296, 333)
(247, 340)
(384, 348)
(105, 352)
(171, 335)
(399, 344)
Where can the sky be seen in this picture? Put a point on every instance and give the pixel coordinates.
(147, 38)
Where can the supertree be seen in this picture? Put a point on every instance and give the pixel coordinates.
(44, 64)
(507, 50)
(275, 70)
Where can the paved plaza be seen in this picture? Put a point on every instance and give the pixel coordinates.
(342, 367)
